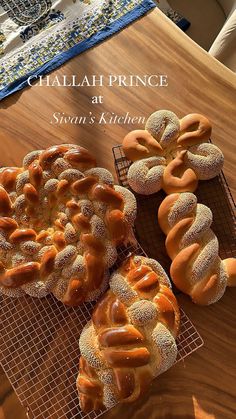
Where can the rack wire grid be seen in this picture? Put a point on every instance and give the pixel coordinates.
(39, 349)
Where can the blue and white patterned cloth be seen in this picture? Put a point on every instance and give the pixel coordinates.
(37, 36)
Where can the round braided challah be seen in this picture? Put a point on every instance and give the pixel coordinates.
(61, 219)
(196, 268)
(131, 337)
(171, 154)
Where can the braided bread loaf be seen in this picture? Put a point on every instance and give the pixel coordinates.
(196, 268)
(61, 219)
(131, 337)
(171, 154)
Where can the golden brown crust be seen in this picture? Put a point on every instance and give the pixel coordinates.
(171, 154)
(196, 268)
(88, 382)
(230, 265)
(194, 128)
(123, 343)
(176, 178)
(65, 216)
(140, 144)
(23, 274)
(8, 177)
(164, 210)
(5, 202)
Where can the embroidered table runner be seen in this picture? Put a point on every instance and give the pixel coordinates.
(37, 36)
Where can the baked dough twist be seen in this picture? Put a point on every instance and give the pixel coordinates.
(61, 219)
(131, 337)
(196, 268)
(171, 154)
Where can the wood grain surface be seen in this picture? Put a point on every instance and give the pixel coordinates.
(204, 386)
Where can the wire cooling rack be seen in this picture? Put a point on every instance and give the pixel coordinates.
(214, 193)
(39, 350)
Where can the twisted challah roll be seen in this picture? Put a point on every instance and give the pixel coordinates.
(171, 154)
(196, 268)
(61, 219)
(131, 337)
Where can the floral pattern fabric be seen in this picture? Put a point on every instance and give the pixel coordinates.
(36, 36)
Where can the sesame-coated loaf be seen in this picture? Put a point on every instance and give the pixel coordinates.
(130, 338)
(196, 268)
(171, 154)
(61, 218)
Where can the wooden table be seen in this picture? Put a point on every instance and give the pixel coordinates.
(204, 386)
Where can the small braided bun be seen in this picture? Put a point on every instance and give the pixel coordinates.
(61, 219)
(196, 268)
(130, 338)
(171, 154)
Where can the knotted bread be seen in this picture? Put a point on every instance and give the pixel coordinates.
(130, 338)
(171, 154)
(196, 268)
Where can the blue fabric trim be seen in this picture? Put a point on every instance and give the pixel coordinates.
(58, 60)
(183, 24)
